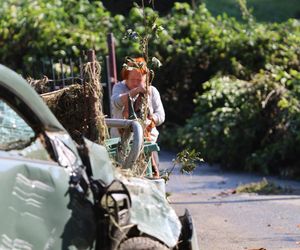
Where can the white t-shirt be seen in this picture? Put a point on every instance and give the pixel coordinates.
(154, 103)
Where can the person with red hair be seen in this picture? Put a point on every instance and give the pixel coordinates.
(131, 89)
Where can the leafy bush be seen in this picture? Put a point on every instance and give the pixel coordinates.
(248, 125)
(263, 11)
(35, 30)
(196, 46)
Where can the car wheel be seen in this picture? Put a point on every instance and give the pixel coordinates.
(142, 243)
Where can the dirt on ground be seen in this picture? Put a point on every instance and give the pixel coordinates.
(227, 220)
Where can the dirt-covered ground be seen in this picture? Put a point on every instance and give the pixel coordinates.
(226, 220)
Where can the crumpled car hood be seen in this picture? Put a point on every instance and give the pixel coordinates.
(151, 212)
(101, 164)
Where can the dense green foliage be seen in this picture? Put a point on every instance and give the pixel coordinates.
(246, 120)
(263, 11)
(252, 123)
(197, 46)
(248, 125)
(31, 31)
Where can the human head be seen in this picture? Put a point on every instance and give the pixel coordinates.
(134, 72)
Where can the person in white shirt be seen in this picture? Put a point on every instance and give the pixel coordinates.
(133, 86)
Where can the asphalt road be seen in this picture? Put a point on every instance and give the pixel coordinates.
(228, 221)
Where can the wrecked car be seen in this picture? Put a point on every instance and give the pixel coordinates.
(58, 194)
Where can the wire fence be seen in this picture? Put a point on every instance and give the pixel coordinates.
(60, 73)
(54, 75)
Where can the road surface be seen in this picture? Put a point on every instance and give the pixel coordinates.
(227, 221)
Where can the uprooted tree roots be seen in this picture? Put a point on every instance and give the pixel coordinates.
(96, 126)
(68, 106)
(78, 107)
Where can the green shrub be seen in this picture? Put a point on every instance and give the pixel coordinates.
(263, 11)
(196, 46)
(248, 125)
(32, 31)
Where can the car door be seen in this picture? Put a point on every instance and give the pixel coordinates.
(35, 206)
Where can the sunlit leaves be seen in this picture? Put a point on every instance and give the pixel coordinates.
(188, 159)
(50, 29)
(155, 62)
(248, 125)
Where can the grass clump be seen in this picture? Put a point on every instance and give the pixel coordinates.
(262, 187)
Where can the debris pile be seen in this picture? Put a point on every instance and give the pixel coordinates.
(78, 106)
(69, 107)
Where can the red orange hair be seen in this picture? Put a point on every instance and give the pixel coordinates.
(138, 64)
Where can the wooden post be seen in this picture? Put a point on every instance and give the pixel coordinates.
(92, 58)
(112, 58)
(93, 100)
(109, 85)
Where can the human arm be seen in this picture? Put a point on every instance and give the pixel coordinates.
(158, 115)
(119, 99)
(118, 90)
(121, 92)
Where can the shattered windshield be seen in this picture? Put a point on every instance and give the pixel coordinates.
(14, 131)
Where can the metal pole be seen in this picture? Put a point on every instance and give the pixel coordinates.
(62, 72)
(53, 74)
(112, 58)
(108, 84)
(138, 138)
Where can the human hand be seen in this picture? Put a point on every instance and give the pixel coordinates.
(141, 89)
(149, 124)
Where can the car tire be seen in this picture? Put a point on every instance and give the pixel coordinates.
(141, 243)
